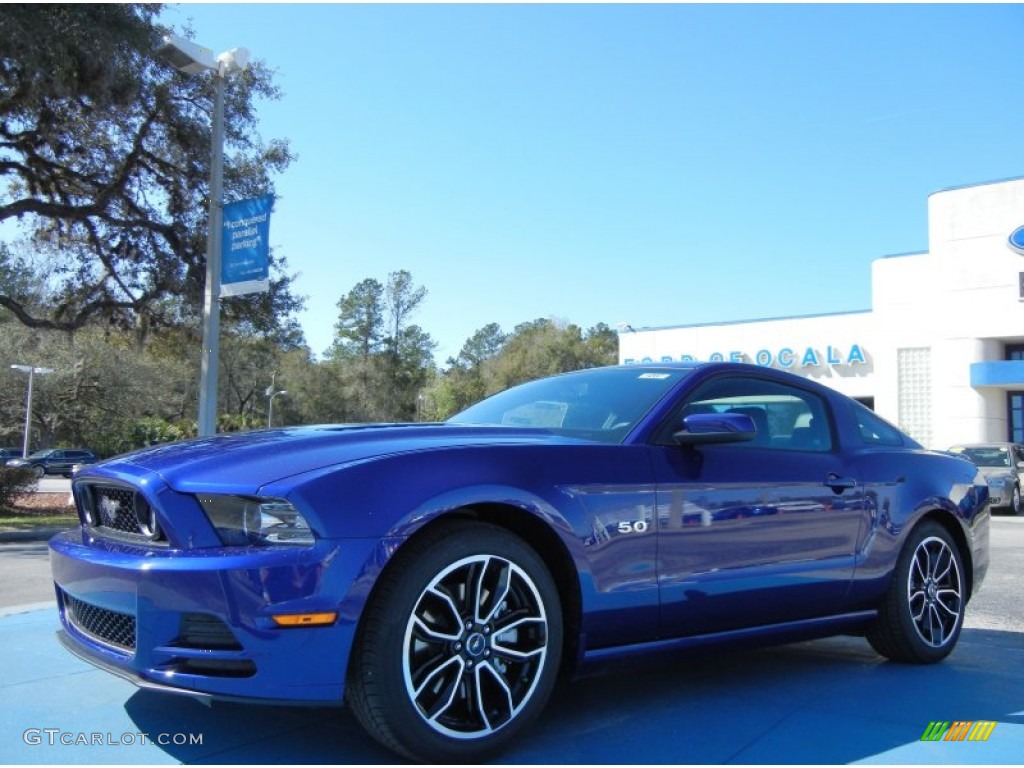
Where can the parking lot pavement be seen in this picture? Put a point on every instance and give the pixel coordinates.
(827, 701)
(53, 484)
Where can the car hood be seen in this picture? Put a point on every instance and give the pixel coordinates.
(254, 459)
(996, 473)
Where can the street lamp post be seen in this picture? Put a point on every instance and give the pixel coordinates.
(192, 59)
(31, 370)
(270, 406)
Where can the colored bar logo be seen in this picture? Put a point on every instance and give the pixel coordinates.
(959, 730)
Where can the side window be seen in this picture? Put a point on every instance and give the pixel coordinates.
(874, 430)
(787, 418)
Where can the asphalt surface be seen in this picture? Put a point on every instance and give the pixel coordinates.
(53, 484)
(823, 702)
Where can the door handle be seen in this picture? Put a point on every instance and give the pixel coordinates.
(838, 483)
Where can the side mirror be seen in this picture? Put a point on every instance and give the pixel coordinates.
(701, 428)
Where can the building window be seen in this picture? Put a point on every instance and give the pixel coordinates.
(1015, 416)
(914, 378)
(1015, 351)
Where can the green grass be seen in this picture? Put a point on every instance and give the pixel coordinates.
(19, 522)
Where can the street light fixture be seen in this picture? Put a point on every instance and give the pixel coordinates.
(270, 406)
(187, 57)
(31, 370)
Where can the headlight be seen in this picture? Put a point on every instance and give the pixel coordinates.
(250, 520)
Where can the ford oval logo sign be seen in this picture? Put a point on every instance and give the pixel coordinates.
(1016, 241)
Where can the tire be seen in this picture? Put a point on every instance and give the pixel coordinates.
(1015, 501)
(40, 472)
(460, 645)
(920, 619)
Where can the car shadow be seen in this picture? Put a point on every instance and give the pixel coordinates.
(233, 733)
(819, 702)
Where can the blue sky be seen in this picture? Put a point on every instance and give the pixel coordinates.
(649, 164)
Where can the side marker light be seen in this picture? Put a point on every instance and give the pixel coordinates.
(305, 619)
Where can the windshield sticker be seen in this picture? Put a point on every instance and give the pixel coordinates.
(654, 375)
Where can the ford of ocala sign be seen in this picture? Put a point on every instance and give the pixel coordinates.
(1016, 240)
(787, 357)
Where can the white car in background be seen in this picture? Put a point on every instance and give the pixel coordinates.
(1002, 465)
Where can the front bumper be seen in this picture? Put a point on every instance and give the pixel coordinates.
(199, 622)
(1000, 492)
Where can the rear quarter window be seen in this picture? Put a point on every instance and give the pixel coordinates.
(874, 430)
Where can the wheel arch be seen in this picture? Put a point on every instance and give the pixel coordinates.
(541, 538)
(953, 527)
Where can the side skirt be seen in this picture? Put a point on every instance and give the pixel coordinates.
(775, 634)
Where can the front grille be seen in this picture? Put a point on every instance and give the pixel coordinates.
(115, 508)
(101, 624)
(120, 511)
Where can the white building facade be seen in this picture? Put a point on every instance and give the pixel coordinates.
(941, 351)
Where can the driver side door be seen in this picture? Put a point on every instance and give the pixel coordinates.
(757, 532)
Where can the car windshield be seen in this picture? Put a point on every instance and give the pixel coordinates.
(41, 454)
(987, 456)
(599, 404)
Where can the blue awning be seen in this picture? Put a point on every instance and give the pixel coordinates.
(999, 374)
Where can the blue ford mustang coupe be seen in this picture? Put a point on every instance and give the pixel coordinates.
(438, 577)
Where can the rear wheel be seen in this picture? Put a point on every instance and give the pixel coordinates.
(920, 618)
(460, 645)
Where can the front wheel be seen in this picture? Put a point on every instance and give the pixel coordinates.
(39, 472)
(1015, 501)
(920, 618)
(460, 646)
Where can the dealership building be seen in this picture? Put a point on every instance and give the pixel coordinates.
(940, 352)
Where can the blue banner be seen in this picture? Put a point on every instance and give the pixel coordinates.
(245, 254)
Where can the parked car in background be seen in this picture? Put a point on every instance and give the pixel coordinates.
(1002, 465)
(9, 453)
(438, 577)
(55, 461)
